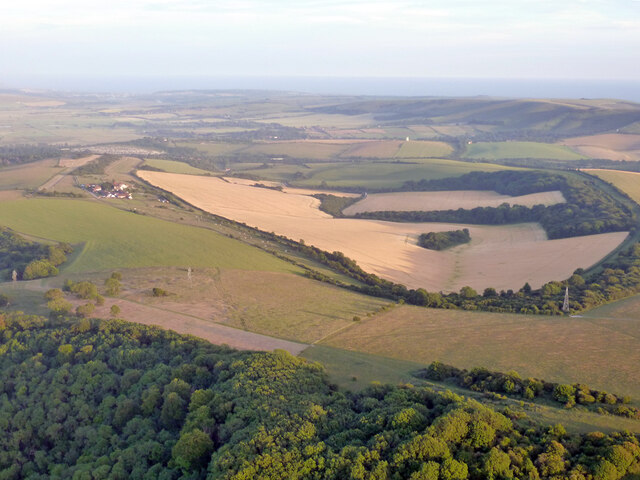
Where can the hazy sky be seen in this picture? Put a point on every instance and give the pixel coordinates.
(592, 39)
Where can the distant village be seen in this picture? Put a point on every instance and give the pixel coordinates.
(108, 190)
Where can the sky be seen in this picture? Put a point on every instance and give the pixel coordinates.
(513, 39)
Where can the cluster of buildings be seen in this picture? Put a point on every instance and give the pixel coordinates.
(114, 190)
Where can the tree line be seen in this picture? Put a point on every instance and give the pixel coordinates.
(26, 153)
(111, 399)
(30, 260)
(588, 210)
(569, 395)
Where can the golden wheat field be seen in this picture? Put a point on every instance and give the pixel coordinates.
(450, 200)
(499, 256)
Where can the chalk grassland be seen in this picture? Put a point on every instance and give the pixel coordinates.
(628, 182)
(116, 239)
(499, 150)
(451, 200)
(30, 175)
(612, 146)
(271, 303)
(174, 167)
(601, 353)
(499, 256)
(391, 174)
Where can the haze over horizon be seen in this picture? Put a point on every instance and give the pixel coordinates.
(198, 44)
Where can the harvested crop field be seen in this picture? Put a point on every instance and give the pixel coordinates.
(374, 149)
(294, 190)
(450, 200)
(599, 352)
(612, 146)
(499, 256)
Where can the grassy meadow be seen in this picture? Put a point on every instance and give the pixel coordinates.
(117, 239)
(392, 174)
(500, 150)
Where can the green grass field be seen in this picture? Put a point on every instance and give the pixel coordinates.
(117, 239)
(30, 175)
(392, 174)
(171, 166)
(599, 352)
(499, 150)
(628, 182)
(416, 149)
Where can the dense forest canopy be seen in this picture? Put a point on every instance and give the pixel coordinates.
(111, 399)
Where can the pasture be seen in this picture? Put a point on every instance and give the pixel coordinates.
(500, 150)
(449, 200)
(601, 353)
(628, 182)
(612, 146)
(504, 257)
(113, 238)
(30, 175)
(174, 167)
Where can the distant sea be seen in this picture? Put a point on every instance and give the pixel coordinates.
(383, 86)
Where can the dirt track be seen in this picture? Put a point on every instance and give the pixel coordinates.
(207, 330)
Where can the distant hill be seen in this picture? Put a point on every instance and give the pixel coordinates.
(562, 118)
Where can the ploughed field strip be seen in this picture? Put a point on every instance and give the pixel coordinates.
(503, 257)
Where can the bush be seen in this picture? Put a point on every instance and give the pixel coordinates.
(85, 310)
(39, 269)
(159, 292)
